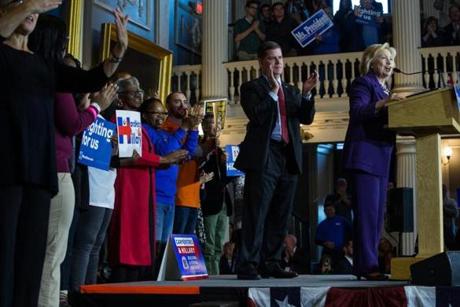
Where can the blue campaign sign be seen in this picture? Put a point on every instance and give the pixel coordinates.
(96, 146)
(317, 24)
(189, 257)
(367, 17)
(232, 152)
(457, 93)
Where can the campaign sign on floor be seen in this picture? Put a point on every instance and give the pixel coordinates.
(367, 17)
(307, 31)
(129, 133)
(232, 152)
(96, 146)
(183, 259)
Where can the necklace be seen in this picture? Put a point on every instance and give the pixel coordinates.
(384, 88)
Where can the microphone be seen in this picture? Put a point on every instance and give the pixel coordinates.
(399, 71)
(443, 82)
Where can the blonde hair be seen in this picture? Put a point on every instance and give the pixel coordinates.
(371, 53)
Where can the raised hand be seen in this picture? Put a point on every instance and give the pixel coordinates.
(176, 156)
(121, 21)
(42, 6)
(274, 85)
(106, 95)
(206, 177)
(310, 83)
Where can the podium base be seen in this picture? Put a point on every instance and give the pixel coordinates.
(400, 267)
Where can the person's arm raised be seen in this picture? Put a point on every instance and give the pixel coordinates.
(12, 17)
(118, 51)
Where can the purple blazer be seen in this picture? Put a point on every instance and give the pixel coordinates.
(368, 145)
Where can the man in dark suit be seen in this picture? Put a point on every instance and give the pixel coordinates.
(271, 157)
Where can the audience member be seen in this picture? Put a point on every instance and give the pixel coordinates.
(216, 203)
(344, 264)
(450, 213)
(265, 15)
(452, 30)
(227, 263)
(332, 233)
(431, 34)
(370, 28)
(249, 33)
(280, 29)
(345, 23)
(131, 232)
(341, 200)
(296, 10)
(166, 142)
(294, 258)
(29, 173)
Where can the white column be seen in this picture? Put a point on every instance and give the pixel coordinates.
(214, 49)
(407, 40)
(405, 178)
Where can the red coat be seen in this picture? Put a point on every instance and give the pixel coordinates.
(132, 219)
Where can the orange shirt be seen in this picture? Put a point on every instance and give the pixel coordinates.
(188, 184)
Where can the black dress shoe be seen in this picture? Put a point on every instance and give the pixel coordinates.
(276, 271)
(247, 272)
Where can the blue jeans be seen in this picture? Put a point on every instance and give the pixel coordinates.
(185, 220)
(164, 222)
(89, 237)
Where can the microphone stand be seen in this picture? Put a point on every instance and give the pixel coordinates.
(441, 74)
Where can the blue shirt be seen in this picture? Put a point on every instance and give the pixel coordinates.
(335, 229)
(166, 143)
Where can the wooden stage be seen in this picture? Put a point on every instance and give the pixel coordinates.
(224, 288)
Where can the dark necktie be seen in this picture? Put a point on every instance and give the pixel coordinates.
(283, 116)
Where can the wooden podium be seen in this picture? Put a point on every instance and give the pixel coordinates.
(427, 116)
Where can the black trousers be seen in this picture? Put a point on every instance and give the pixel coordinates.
(24, 214)
(268, 202)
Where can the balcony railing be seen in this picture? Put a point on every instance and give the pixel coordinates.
(441, 67)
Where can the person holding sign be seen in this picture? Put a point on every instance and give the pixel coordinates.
(370, 15)
(367, 154)
(166, 142)
(29, 178)
(271, 158)
(132, 229)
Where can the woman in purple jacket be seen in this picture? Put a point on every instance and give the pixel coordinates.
(367, 153)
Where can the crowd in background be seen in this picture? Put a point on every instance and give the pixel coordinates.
(264, 22)
(275, 23)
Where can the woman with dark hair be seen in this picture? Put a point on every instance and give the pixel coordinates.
(432, 36)
(49, 40)
(28, 84)
(345, 23)
(131, 233)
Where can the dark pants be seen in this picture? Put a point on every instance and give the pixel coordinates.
(24, 213)
(369, 197)
(268, 199)
(89, 237)
(185, 220)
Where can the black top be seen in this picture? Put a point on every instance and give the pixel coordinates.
(27, 87)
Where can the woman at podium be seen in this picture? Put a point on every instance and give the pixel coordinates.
(366, 155)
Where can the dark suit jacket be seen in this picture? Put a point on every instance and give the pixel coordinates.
(261, 110)
(368, 145)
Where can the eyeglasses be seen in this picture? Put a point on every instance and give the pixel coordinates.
(254, 7)
(138, 93)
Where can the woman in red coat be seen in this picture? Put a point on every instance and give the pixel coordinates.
(131, 237)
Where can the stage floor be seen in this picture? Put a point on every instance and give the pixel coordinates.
(217, 288)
